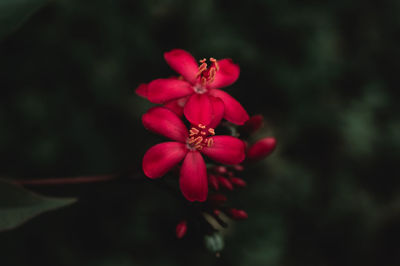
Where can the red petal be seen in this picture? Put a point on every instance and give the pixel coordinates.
(141, 90)
(218, 111)
(227, 74)
(261, 149)
(161, 158)
(163, 121)
(176, 106)
(164, 90)
(198, 109)
(226, 150)
(183, 63)
(193, 179)
(234, 111)
(254, 123)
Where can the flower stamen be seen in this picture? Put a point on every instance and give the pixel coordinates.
(200, 136)
(207, 75)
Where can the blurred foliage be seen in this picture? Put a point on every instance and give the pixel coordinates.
(323, 73)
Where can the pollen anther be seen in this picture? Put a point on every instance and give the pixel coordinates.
(207, 75)
(193, 131)
(199, 137)
(210, 142)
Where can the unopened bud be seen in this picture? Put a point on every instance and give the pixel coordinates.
(254, 123)
(238, 167)
(238, 181)
(237, 214)
(213, 181)
(181, 229)
(217, 199)
(220, 169)
(261, 149)
(225, 182)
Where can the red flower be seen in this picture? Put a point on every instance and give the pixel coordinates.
(189, 147)
(198, 84)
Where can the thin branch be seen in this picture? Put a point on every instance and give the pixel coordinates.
(66, 180)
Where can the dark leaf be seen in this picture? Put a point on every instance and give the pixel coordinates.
(18, 205)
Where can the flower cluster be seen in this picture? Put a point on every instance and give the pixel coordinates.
(190, 112)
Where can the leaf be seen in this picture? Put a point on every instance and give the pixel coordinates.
(14, 12)
(18, 205)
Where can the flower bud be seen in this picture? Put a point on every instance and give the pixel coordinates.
(237, 214)
(225, 182)
(238, 167)
(213, 181)
(238, 182)
(217, 199)
(254, 123)
(220, 169)
(181, 229)
(261, 149)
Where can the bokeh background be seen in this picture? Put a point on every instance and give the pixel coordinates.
(323, 73)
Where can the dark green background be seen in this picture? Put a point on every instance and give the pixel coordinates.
(323, 73)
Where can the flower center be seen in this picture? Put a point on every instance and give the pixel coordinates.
(205, 75)
(199, 137)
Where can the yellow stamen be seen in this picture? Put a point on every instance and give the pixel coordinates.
(210, 142)
(199, 147)
(193, 131)
(198, 140)
(211, 131)
(215, 63)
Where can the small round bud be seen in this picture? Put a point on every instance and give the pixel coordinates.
(181, 229)
(213, 181)
(238, 181)
(237, 214)
(225, 182)
(220, 169)
(238, 167)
